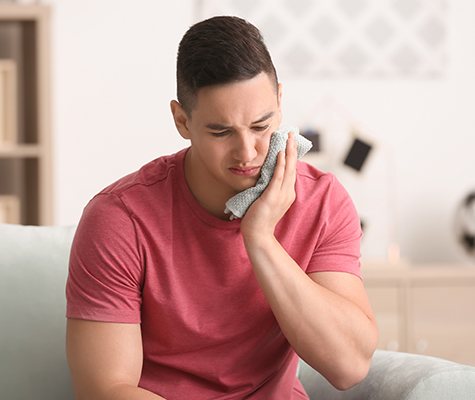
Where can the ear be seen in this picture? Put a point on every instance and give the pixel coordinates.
(279, 101)
(181, 119)
(279, 94)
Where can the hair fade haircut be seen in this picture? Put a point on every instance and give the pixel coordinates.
(219, 50)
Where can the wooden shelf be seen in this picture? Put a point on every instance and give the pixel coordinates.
(21, 151)
(25, 150)
(18, 12)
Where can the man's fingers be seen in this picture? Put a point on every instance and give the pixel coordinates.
(275, 183)
(283, 179)
(279, 171)
(291, 161)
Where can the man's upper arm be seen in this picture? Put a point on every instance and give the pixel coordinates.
(102, 355)
(346, 285)
(106, 271)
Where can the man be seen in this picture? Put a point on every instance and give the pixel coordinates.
(168, 298)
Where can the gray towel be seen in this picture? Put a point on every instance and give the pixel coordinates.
(238, 204)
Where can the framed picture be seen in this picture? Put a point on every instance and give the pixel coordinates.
(9, 209)
(8, 102)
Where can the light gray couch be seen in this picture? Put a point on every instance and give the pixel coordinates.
(33, 270)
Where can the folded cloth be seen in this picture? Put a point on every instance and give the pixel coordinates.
(238, 204)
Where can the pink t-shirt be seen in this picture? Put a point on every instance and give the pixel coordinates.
(146, 252)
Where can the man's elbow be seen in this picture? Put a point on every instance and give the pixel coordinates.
(351, 375)
(353, 370)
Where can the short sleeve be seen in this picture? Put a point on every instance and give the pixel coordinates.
(105, 270)
(338, 249)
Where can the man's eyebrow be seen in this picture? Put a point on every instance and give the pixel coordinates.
(264, 117)
(220, 127)
(217, 127)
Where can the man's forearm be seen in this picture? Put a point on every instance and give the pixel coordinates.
(330, 332)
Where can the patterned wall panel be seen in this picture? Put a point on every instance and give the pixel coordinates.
(347, 38)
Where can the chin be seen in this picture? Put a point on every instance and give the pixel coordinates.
(244, 186)
(239, 184)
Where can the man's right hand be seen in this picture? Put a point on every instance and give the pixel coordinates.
(105, 360)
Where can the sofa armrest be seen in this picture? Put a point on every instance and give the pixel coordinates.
(399, 376)
(33, 272)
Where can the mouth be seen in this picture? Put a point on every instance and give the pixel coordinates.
(245, 171)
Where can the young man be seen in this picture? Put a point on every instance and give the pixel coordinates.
(168, 298)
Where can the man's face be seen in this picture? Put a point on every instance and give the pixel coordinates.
(230, 128)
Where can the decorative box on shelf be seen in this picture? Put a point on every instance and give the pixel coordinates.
(8, 103)
(9, 209)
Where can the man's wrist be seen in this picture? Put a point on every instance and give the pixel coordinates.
(258, 240)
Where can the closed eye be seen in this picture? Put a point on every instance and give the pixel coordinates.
(261, 128)
(220, 133)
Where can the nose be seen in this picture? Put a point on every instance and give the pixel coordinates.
(244, 147)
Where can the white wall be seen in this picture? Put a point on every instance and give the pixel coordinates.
(428, 129)
(113, 78)
(114, 75)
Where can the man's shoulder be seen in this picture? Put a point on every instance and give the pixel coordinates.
(150, 174)
(315, 185)
(309, 175)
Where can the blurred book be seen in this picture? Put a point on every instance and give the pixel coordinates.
(9, 209)
(8, 103)
(13, 48)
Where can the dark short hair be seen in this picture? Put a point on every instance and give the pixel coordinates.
(216, 51)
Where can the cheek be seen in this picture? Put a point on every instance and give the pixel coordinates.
(263, 144)
(216, 153)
